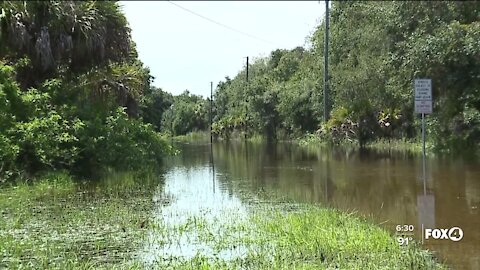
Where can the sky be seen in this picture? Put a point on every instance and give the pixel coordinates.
(188, 51)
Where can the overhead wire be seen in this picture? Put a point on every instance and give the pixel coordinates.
(221, 24)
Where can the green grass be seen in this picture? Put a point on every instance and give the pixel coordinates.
(55, 224)
(302, 237)
(256, 138)
(414, 146)
(195, 136)
(398, 144)
(240, 136)
(58, 223)
(318, 238)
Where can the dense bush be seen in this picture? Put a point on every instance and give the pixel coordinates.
(376, 51)
(73, 94)
(121, 143)
(187, 113)
(37, 134)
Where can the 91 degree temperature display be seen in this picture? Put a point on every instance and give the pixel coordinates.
(404, 234)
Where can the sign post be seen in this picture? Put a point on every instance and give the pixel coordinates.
(423, 105)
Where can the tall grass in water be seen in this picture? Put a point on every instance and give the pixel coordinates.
(414, 146)
(194, 136)
(58, 223)
(289, 237)
(398, 144)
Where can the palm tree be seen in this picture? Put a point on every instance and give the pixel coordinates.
(89, 43)
(56, 36)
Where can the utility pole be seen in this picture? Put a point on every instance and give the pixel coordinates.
(211, 110)
(326, 108)
(246, 104)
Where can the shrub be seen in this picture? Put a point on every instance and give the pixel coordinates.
(121, 143)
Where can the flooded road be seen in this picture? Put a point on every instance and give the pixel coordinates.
(386, 187)
(190, 199)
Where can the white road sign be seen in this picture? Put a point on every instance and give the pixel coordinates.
(423, 106)
(423, 96)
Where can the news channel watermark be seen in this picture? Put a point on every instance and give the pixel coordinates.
(405, 234)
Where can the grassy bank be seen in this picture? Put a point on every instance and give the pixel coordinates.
(380, 144)
(194, 136)
(399, 145)
(311, 140)
(204, 136)
(57, 223)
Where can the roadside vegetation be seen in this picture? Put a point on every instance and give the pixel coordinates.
(376, 51)
(59, 223)
(308, 237)
(77, 105)
(73, 94)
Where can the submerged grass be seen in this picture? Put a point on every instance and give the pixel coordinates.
(286, 237)
(414, 146)
(318, 238)
(57, 223)
(194, 136)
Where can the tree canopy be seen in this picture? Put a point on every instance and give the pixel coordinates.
(377, 49)
(74, 94)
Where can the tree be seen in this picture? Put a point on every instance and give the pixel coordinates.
(187, 113)
(59, 35)
(156, 103)
(73, 90)
(377, 49)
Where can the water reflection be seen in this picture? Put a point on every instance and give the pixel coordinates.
(191, 197)
(385, 186)
(212, 165)
(209, 181)
(426, 211)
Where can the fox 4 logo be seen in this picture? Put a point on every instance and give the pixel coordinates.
(454, 234)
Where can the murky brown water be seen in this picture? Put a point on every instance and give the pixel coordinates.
(385, 186)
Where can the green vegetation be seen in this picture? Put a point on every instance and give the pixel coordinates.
(376, 50)
(76, 100)
(73, 94)
(70, 78)
(58, 223)
(413, 145)
(398, 144)
(187, 113)
(295, 236)
(316, 238)
(194, 136)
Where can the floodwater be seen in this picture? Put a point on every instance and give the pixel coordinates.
(214, 181)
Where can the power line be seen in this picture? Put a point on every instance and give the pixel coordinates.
(221, 24)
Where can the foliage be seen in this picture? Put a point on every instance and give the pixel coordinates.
(49, 141)
(62, 35)
(376, 51)
(73, 94)
(278, 98)
(187, 113)
(122, 143)
(102, 90)
(156, 103)
(49, 138)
